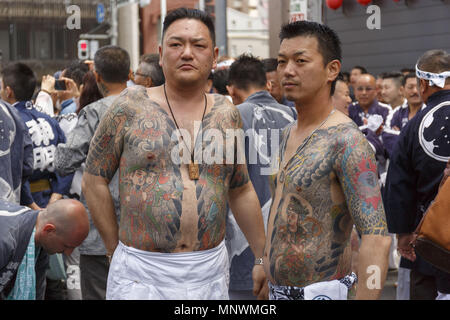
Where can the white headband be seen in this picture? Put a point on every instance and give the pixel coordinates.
(436, 79)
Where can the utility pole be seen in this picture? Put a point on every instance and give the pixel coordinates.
(163, 12)
(129, 32)
(278, 15)
(201, 5)
(113, 32)
(221, 26)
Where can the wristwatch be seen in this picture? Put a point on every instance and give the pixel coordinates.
(259, 261)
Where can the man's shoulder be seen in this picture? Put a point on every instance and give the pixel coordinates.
(276, 112)
(41, 115)
(98, 106)
(353, 106)
(130, 101)
(343, 131)
(222, 104)
(385, 107)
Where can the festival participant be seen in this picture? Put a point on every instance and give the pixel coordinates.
(173, 204)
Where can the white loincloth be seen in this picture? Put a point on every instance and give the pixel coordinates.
(142, 275)
(324, 290)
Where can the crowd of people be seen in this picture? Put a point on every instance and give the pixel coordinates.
(107, 191)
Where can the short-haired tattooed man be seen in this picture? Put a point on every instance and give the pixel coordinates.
(169, 243)
(327, 181)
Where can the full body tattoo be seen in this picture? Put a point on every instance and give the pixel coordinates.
(158, 208)
(330, 184)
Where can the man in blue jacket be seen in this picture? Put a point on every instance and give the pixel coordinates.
(16, 154)
(18, 85)
(26, 234)
(416, 169)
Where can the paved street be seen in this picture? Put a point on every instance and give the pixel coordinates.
(389, 289)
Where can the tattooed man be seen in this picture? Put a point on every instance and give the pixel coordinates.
(327, 182)
(169, 244)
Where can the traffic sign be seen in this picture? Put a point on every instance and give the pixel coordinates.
(100, 13)
(83, 49)
(93, 47)
(298, 10)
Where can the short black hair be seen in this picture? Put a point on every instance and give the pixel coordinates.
(408, 76)
(361, 68)
(270, 64)
(247, 71)
(397, 77)
(150, 64)
(328, 41)
(220, 81)
(340, 77)
(112, 63)
(76, 71)
(21, 79)
(407, 70)
(188, 13)
(345, 75)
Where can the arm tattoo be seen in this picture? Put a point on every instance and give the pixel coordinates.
(357, 171)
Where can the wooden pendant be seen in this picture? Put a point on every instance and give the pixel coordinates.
(282, 176)
(194, 172)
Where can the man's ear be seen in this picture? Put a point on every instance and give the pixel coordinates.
(269, 85)
(216, 56)
(48, 228)
(10, 93)
(160, 55)
(334, 67)
(98, 78)
(402, 91)
(130, 75)
(230, 90)
(423, 86)
(149, 82)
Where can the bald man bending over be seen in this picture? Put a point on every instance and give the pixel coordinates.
(26, 234)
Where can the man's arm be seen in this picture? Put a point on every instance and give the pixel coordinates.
(373, 261)
(101, 206)
(246, 209)
(71, 155)
(357, 172)
(101, 164)
(60, 185)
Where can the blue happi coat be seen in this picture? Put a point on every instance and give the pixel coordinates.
(46, 134)
(16, 154)
(415, 171)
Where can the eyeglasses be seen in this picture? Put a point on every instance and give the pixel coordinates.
(364, 88)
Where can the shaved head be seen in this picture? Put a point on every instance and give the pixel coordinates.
(62, 226)
(365, 90)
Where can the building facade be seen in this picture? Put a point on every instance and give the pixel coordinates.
(247, 34)
(408, 28)
(37, 32)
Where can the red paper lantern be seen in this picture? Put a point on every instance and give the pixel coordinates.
(334, 4)
(364, 2)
